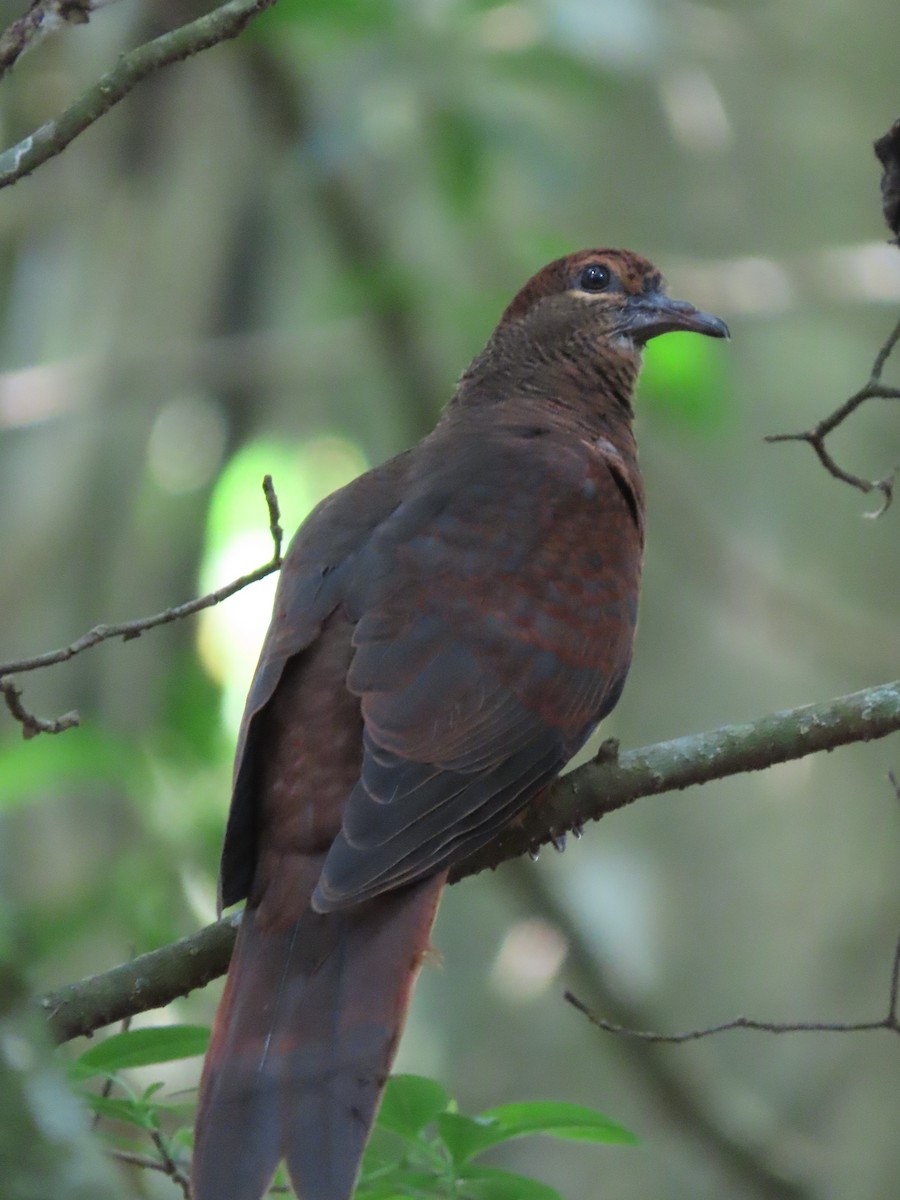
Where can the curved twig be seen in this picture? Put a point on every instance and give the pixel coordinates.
(890, 1021)
(873, 389)
(127, 630)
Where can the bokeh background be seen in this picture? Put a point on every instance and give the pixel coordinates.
(278, 257)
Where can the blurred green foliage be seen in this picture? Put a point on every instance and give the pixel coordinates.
(683, 383)
(422, 1146)
(276, 258)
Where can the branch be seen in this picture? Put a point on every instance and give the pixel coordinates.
(585, 794)
(611, 781)
(226, 21)
(127, 630)
(873, 389)
(671, 1086)
(141, 984)
(887, 150)
(42, 18)
(890, 1021)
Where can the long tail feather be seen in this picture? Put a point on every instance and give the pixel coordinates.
(302, 1045)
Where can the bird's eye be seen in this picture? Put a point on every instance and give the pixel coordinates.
(595, 278)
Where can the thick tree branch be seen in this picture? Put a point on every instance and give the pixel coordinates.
(226, 21)
(141, 984)
(611, 782)
(585, 794)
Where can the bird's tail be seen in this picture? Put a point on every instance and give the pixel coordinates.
(302, 1045)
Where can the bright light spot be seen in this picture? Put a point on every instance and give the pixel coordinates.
(619, 901)
(683, 380)
(529, 960)
(200, 896)
(789, 780)
(604, 30)
(762, 284)
(186, 443)
(752, 285)
(230, 634)
(867, 272)
(38, 393)
(510, 27)
(695, 111)
(238, 540)
(388, 113)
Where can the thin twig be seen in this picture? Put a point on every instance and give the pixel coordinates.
(165, 1164)
(127, 630)
(873, 389)
(31, 724)
(169, 1165)
(890, 1021)
(132, 1159)
(109, 1082)
(585, 794)
(226, 21)
(753, 1167)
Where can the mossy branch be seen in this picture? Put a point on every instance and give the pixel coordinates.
(586, 794)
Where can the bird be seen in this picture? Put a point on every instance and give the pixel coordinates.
(448, 630)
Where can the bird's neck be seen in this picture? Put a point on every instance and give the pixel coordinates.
(581, 384)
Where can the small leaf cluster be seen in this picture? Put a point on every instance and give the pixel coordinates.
(422, 1148)
(144, 1112)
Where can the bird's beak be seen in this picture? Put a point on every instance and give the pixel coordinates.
(650, 315)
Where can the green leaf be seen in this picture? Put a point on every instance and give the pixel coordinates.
(404, 1183)
(141, 1048)
(465, 1137)
(490, 1183)
(383, 1152)
(410, 1103)
(129, 1112)
(570, 1121)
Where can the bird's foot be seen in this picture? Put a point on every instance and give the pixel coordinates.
(608, 751)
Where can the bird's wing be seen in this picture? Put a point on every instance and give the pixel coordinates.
(494, 612)
(310, 588)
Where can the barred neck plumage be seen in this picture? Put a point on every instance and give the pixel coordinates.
(591, 380)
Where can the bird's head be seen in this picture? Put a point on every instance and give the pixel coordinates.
(618, 295)
(574, 333)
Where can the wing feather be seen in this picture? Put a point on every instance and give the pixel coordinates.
(493, 635)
